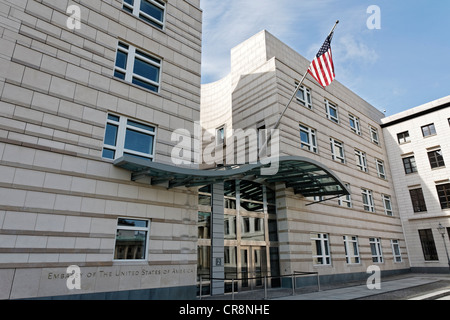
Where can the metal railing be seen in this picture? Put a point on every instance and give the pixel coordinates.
(236, 280)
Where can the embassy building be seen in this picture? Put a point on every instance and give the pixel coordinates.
(98, 200)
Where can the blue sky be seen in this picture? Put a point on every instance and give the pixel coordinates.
(402, 65)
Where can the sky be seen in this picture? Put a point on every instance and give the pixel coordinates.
(400, 65)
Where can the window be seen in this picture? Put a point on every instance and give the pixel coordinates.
(337, 150)
(308, 138)
(428, 245)
(351, 249)
(125, 136)
(380, 168)
(428, 130)
(436, 159)
(321, 249)
(304, 96)
(361, 161)
(387, 205)
(204, 225)
(151, 11)
(368, 200)
(332, 111)
(443, 191)
(374, 135)
(135, 66)
(396, 250)
(403, 137)
(354, 124)
(262, 135)
(375, 248)
(220, 136)
(417, 199)
(131, 239)
(346, 201)
(409, 163)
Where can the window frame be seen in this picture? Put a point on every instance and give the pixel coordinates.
(428, 245)
(135, 10)
(374, 131)
(387, 199)
(346, 201)
(430, 130)
(331, 106)
(134, 54)
(379, 164)
(443, 194)
(361, 160)
(418, 200)
(377, 254)
(131, 228)
(397, 254)
(324, 240)
(306, 93)
(122, 127)
(311, 144)
(436, 161)
(351, 245)
(408, 165)
(336, 144)
(403, 137)
(357, 127)
(368, 205)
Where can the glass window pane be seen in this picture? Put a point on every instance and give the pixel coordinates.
(113, 117)
(138, 141)
(130, 244)
(109, 154)
(111, 134)
(146, 70)
(133, 223)
(152, 10)
(145, 85)
(119, 75)
(140, 125)
(121, 59)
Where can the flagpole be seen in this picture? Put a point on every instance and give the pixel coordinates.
(298, 86)
(277, 124)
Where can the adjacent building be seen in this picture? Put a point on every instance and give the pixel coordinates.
(418, 146)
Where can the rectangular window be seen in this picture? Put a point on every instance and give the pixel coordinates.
(125, 136)
(304, 96)
(428, 245)
(374, 135)
(436, 159)
(409, 164)
(367, 198)
(351, 249)
(428, 130)
(387, 205)
(375, 248)
(337, 150)
(354, 124)
(137, 67)
(380, 168)
(220, 136)
(321, 249)
(361, 161)
(346, 201)
(396, 250)
(443, 191)
(308, 138)
(403, 137)
(131, 239)
(418, 200)
(204, 225)
(151, 11)
(332, 111)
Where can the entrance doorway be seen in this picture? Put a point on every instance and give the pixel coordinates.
(253, 267)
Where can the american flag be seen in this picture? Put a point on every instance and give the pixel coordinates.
(322, 67)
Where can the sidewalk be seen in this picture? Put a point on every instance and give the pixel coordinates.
(361, 291)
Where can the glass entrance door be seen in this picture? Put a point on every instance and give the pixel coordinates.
(253, 267)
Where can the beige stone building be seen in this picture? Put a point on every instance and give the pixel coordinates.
(338, 238)
(74, 97)
(418, 145)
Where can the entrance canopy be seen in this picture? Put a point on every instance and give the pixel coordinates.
(307, 177)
